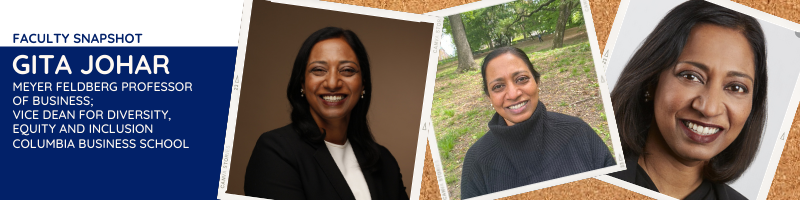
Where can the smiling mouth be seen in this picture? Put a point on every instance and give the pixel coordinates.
(701, 133)
(517, 108)
(700, 129)
(332, 98)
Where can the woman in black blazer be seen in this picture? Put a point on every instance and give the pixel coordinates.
(328, 151)
(691, 103)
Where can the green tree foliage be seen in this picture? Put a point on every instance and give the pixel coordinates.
(499, 25)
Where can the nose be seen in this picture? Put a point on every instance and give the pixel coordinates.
(514, 92)
(332, 81)
(710, 103)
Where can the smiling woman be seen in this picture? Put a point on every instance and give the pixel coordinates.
(332, 87)
(691, 102)
(525, 144)
(328, 151)
(713, 75)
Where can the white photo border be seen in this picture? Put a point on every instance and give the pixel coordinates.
(604, 93)
(785, 124)
(375, 12)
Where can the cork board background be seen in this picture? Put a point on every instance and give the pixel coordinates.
(787, 177)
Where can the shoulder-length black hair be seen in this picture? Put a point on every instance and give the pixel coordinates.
(358, 132)
(504, 50)
(660, 51)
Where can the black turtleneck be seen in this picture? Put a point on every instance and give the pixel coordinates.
(549, 145)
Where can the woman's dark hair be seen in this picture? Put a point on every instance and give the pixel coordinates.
(660, 51)
(504, 50)
(358, 132)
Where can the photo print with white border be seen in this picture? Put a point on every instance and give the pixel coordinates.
(314, 83)
(714, 88)
(510, 129)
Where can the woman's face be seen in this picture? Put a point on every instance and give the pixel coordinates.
(512, 88)
(333, 80)
(702, 103)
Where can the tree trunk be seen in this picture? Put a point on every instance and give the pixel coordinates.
(561, 24)
(524, 33)
(465, 60)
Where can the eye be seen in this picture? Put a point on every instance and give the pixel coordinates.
(691, 76)
(523, 79)
(318, 71)
(348, 71)
(737, 88)
(498, 87)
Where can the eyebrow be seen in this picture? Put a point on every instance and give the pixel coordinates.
(512, 75)
(740, 74)
(340, 62)
(696, 64)
(731, 73)
(347, 61)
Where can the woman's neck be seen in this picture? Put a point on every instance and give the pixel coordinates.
(335, 129)
(672, 175)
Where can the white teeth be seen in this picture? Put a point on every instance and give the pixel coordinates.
(518, 105)
(702, 130)
(333, 98)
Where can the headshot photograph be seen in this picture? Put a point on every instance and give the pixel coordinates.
(699, 94)
(517, 100)
(330, 104)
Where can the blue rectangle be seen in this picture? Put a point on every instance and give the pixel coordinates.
(199, 117)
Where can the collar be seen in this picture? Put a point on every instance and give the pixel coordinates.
(328, 165)
(519, 131)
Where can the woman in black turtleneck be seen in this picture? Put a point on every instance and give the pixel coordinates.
(525, 144)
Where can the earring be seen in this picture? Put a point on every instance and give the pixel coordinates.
(646, 96)
(301, 92)
(362, 93)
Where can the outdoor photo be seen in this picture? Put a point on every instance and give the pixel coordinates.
(517, 100)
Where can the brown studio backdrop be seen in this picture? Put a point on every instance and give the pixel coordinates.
(398, 52)
(786, 184)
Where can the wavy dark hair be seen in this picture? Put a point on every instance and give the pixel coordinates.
(358, 132)
(507, 50)
(660, 51)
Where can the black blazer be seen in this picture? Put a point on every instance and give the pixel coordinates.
(706, 191)
(284, 166)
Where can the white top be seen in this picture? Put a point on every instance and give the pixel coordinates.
(348, 164)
